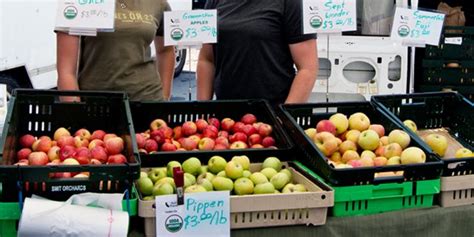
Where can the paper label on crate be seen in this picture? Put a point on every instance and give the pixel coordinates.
(190, 28)
(85, 16)
(202, 215)
(329, 16)
(453, 40)
(416, 28)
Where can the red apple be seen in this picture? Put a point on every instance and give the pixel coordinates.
(249, 119)
(157, 136)
(114, 145)
(140, 140)
(176, 143)
(26, 141)
(108, 136)
(189, 128)
(60, 132)
(42, 144)
(214, 122)
(268, 141)
(249, 130)
(257, 125)
(223, 141)
(326, 126)
(254, 139)
(210, 131)
(223, 133)
(238, 145)
(166, 132)
(227, 124)
(99, 153)
(189, 144)
(196, 137)
(157, 123)
(167, 146)
(22, 162)
(96, 142)
(220, 147)
(82, 152)
(265, 130)
(206, 144)
(151, 145)
(201, 124)
(177, 132)
(238, 136)
(38, 158)
(80, 141)
(95, 162)
(23, 154)
(66, 141)
(257, 146)
(98, 134)
(378, 128)
(142, 151)
(238, 127)
(66, 152)
(83, 160)
(53, 153)
(117, 159)
(83, 133)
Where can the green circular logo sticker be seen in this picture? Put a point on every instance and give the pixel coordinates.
(177, 34)
(174, 223)
(316, 22)
(403, 31)
(70, 12)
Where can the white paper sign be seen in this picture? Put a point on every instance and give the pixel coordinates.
(181, 5)
(417, 28)
(453, 40)
(188, 28)
(329, 16)
(96, 15)
(202, 215)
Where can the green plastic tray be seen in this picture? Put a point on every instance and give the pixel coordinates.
(379, 198)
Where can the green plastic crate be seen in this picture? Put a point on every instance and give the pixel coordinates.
(371, 199)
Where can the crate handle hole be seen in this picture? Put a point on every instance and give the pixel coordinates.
(323, 196)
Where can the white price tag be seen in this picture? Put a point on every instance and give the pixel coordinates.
(453, 40)
(329, 16)
(202, 215)
(190, 28)
(417, 28)
(85, 16)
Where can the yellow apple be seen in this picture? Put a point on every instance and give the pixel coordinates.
(394, 161)
(350, 155)
(368, 140)
(463, 153)
(353, 135)
(340, 121)
(412, 155)
(391, 150)
(359, 121)
(400, 137)
(410, 124)
(438, 143)
(310, 132)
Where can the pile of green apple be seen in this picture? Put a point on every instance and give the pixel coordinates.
(355, 142)
(220, 175)
(439, 142)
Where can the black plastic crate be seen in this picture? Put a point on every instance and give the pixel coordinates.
(446, 72)
(466, 91)
(298, 117)
(460, 48)
(435, 110)
(40, 112)
(176, 113)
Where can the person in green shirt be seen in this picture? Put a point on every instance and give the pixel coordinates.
(120, 60)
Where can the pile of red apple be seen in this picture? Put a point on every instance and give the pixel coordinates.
(210, 134)
(64, 149)
(355, 142)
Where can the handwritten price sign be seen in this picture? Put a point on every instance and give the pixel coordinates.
(327, 16)
(417, 28)
(203, 214)
(94, 15)
(188, 28)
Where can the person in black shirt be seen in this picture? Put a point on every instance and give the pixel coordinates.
(259, 42)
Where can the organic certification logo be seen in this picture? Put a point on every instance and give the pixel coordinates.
(316, 22)
(403, 31)
(174, 223)
(70, 12)
(177, 34)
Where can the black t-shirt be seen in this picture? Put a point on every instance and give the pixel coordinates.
(252, 57)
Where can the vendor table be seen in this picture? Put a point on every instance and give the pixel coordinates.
(432, 222)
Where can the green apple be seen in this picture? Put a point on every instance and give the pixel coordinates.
(145, 185)
(166, 180)
(170, 167)
(221, 174)
(243, 160)
(294, 188)
(258, 178)
(222, 183)
(149, 198)
(216, 164)
(247, 173)
(163, 189)
(195, 189)
(272, 162)
(276, 191)
(203, 169)
(279, 180)
(243, 186)
(287, 172)
(192, 166)
(206, 184)
(143, 174)
(268, 172)
(264, 188)
(209, 176)
(189, 180)
(156, 174)
(234, 170)
(368, 140)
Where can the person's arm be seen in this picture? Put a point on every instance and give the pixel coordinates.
(305, 57)
(205, 73)
(165, 59)
(67, 53)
